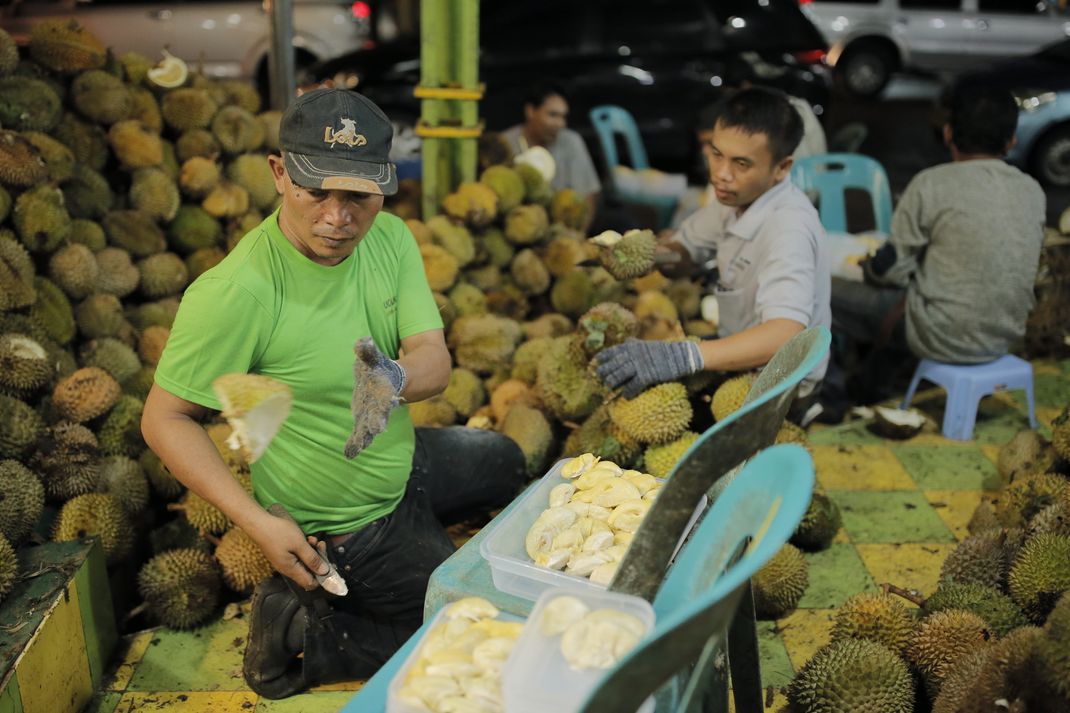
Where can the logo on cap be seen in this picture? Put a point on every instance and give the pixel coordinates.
(346, 135)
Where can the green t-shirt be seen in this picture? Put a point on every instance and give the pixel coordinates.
(267, 309)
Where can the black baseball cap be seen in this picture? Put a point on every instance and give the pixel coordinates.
(336, 139)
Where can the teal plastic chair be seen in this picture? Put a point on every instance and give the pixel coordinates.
(747, 525)
(828, 175)
(609, 122)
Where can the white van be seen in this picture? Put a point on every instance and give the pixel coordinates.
(870, 39)
(223, 39)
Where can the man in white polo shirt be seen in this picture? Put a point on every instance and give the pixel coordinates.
(772, 266)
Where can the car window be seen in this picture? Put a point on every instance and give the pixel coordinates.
(930, 4)
(677, 25)
(1017, 7)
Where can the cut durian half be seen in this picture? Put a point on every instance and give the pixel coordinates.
(897, 423)
(255, 406)
(169, 73)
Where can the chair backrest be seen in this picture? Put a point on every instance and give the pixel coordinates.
(610, 121)
(700, 595)
(828, 175)
(717, 451)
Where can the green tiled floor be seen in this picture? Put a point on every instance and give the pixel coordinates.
(904, 504)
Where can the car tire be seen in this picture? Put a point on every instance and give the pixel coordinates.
(865, 69)
(1051, 158)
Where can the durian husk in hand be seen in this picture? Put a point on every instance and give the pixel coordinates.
(255, 407)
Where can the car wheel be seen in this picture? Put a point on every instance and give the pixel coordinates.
(866, 69)
(1051, 160)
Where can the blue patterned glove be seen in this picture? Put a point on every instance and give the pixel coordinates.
(378, 382)
(636, 365)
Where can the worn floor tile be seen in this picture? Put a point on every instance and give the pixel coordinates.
(991, 451)
(892, 516)
(314, 702)
(854, 433)
(205, 659)
(955, 508)
(961, 467)
(187, 702)
(132, 648)
(997, 422)
(910, 566)
(1051, 390)
(103, 702)
(804, 632)
(835, 574)
(776, 666)
(350, 686)
(852, 467)
(775, 701)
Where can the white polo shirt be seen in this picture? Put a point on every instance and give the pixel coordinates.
(772, 262)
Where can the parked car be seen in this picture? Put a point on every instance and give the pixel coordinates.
(1040, 84)
(662, 60)
(225, 39)
(870, 39)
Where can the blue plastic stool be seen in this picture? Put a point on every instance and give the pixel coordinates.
(966, 384)
(828, 175)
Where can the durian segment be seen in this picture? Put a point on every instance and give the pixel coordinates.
(629, 515)
(255, 407)
(644, 482)
(579, 465)
(601, 639)
(472, 609)
(561, 494)
(560, 613)
(546, 527)
(596, 475)
(603, 573)
(595, 512)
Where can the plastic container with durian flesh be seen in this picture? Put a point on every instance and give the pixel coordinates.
(512, 570)
(542, 674)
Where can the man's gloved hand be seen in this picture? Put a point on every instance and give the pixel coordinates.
(378, 383)
(637, 365)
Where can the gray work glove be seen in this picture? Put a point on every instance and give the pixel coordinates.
(377, 386)
(636, 365)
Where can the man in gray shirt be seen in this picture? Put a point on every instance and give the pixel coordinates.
(545, 124)
(773, 271)
(954, 282)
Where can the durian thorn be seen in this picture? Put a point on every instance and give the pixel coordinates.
(139, 609)
(211, 538)
(177, 507)
(572, 425)
(911, 595)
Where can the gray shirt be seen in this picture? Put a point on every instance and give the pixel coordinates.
(575, 169)
(967, 238)
(772, 262)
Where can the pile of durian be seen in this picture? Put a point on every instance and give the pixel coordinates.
(994, 636)
(114, 194)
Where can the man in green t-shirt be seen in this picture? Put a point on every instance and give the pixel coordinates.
(328, 271)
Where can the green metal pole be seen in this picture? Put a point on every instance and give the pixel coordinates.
(434, 71)
(466, 72)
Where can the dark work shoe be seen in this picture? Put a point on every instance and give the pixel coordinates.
(271, 666)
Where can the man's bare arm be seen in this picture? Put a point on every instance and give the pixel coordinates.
(673, 260)
(749, 349)
(426, 361)
(171, 429)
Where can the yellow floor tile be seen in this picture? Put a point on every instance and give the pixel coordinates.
(990, 450)
(841, 538)
(188, 702)
(860, 468)
(804, 632)
(340, 686)
(128, 659)
(955, 508)
(912, 566)
(1046, 415)
(929, 439)
(775, 701)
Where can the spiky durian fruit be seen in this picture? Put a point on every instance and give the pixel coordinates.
(1060, 433)
(453, 238)
(853, 676)
(28, 104)
(573, 293)
(472, 203)
(244, 564)
(153, 192)
(197, 143)
(184, 109)
(123, 479)
(96, 514)
(101, 97)
(146, 109)
(86, 195)
(135, 145)
(255, 407)
(483, 342)
(9, 54)
(74, 268)
(99, 315)
(9, 567)
(440, 267)
(201, 514)
(600, 436)
(193, 229)
(467, 299)
(605, 325)
(162, 274)
(658, 415)
(997, 610)
(527, 358)
(202, 260)
(86, 140)
(181, 587)
(1017, 503)
(529, 273)
(237, 130)
(1040, 574)
(984, 558)
(508, 393)
(506, 184)
(564, 253)
(198, 176)
(87, 232)
(253, 173)
(22, 498)
(161, 312)
(64, 46)
(1054, 519)
(532, 432)
(40, 219)
(269, 122)
(1027, 453)
(52, 311)
(465, 392)
(527, 225)
(548, 325)
(85, 394)
(632, 255)
(942, 640)
(134, 231)
(485, 277)
(730, 395)
(240, 93)
(67, 459)
(16, 274)
(120, 433)
(25, 366)
(111, 355)
(564, 383)
(226, 200)
(570, 208)
(819, 525)
(117, 273)
(536, 188)
(151, 344)
(879, 617)
(57, 156)
(433, 412)
(20, 427)
(660, 460)
(21, 164)
(498, 250)
(779, 585)
(1053, 650)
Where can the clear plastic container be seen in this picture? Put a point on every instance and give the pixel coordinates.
(512, 571)
(396, 705)
(537, 678)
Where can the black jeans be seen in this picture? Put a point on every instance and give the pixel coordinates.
(387, 563)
